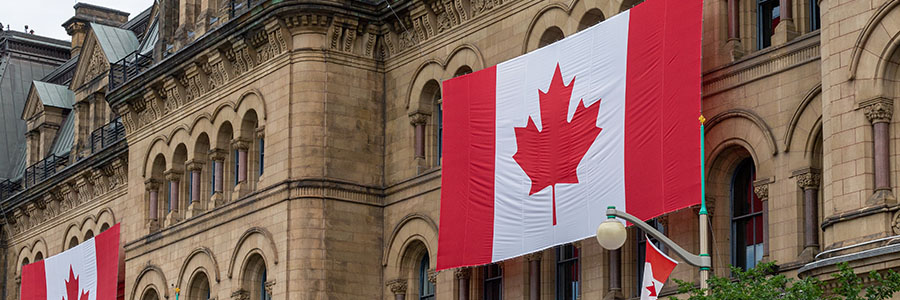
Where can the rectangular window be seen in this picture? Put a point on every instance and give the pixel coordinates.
(262, 155)
(493, 282)
(814, 23)
(440, 132)
(190, 187)
(746, 221)
(212, 178)
(567, 272)
(768, 15)
(641, 239)
(237, 163)
(169, 198)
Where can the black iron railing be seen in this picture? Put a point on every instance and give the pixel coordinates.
(44, 169)
(107, 135)
(9, 188)
(128, 67)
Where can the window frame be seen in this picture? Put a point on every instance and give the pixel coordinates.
(562, 263)
(494, 282)
(814, 18)
(425, 294)
(741, 221)
(764, 38)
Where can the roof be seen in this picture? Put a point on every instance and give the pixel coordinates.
(117, 43)
(151, 38)
(54, 95)
(63, 73)
(139, 21)
(65, 137)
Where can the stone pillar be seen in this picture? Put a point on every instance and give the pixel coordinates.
(152, 187)
(809, 180)
(418, 121)
(195, 206)
(243, 185)
(614, 271)
(786, 29)
(879, 111)
(733, 44)
(534, 275)
(462, 277)
(398, 287)
(174, 179)
(761, 188)
(218, 161)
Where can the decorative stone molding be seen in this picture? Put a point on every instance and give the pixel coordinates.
(461, 273)
(761, 188)
(151, 185)
(261, 131)
(878, 110)
(270, 285)
(895, 222)
(194, 165)
(194, 81)
(173, 175)
(217, 154)
(174, 93)
(397, 286)
(240, 144)
(432, 276)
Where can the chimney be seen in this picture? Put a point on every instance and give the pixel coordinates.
(85, 14)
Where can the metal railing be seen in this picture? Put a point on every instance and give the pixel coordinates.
(44, 169)
(9, 188)
(107, 135)
(127, 68)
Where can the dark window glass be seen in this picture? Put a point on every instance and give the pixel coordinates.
(212, 177)
(262, 155)
(814, 23)
(426, 288)
(190, 187)
(237, 161)
(641, 239)
(262, 287)
(440, 131)
(768, 16)
(169, 199)
(493, 282)
(746, 222)
(567, 272)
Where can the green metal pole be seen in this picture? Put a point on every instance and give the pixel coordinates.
(704, 214)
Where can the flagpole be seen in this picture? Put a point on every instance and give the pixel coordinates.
(704, 214)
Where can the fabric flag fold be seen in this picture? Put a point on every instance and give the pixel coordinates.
(657, 269)
(88, 271)
(536, 148)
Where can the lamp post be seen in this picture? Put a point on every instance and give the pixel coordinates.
(611, 235)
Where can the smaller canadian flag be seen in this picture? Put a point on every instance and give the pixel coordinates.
(657, 268)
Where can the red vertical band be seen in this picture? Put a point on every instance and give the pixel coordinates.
(106, 245)
(34, 282)
(467, 174)
(662, 167)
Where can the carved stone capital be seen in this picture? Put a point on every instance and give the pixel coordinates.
(808, 179)
(418, 118)
(397, 286)
(270, 285)
(432, 276)
(761, 188)
(461, 273)
(151, 184)
(194, 165)
(895, 223)
(240, 295)
(173, 175)
(240, 144)
(217, 154)
(878, 110)
(534, 256)
(261, 131)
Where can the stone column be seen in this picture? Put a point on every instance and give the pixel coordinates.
(879, 112)
(174, 178)
(733, 44)
(761, 188)
(152, 187)
(462, 277)
(398, 287)
(786, 29)
(418, 121)
(196, 206)
(534, 275)
(614, 271)
(218, 162)
(809, 180)
(243, 186)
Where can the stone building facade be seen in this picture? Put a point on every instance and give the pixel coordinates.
(290, 149)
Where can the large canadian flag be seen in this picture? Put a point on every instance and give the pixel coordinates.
(657, 268)
(88, 271)
(537, 147)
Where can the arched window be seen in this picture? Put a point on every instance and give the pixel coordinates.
(746, 218)
(104, 227)
(493, 282)
(255, 278)
(550, 36)
(426, 288)
(768, 15)
(150, 294)
(199, 288)
(88, 235)
(73, 242)
(38, 257)
(591, 18)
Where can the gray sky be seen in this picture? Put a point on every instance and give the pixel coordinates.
(46, 16)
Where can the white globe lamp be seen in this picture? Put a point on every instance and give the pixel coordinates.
(611, 234)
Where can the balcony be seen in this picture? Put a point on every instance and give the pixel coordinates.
(107, 135)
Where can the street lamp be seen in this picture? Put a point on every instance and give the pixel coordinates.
(611, 235)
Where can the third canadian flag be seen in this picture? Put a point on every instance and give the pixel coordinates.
(536, 148)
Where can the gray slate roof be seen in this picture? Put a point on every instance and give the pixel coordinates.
(65, 137)
(115, 42)
(54, 95)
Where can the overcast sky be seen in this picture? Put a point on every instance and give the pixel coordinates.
(46, 16)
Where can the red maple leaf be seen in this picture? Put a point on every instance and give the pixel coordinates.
(72, 287)
(652, 289)
(551, 155)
